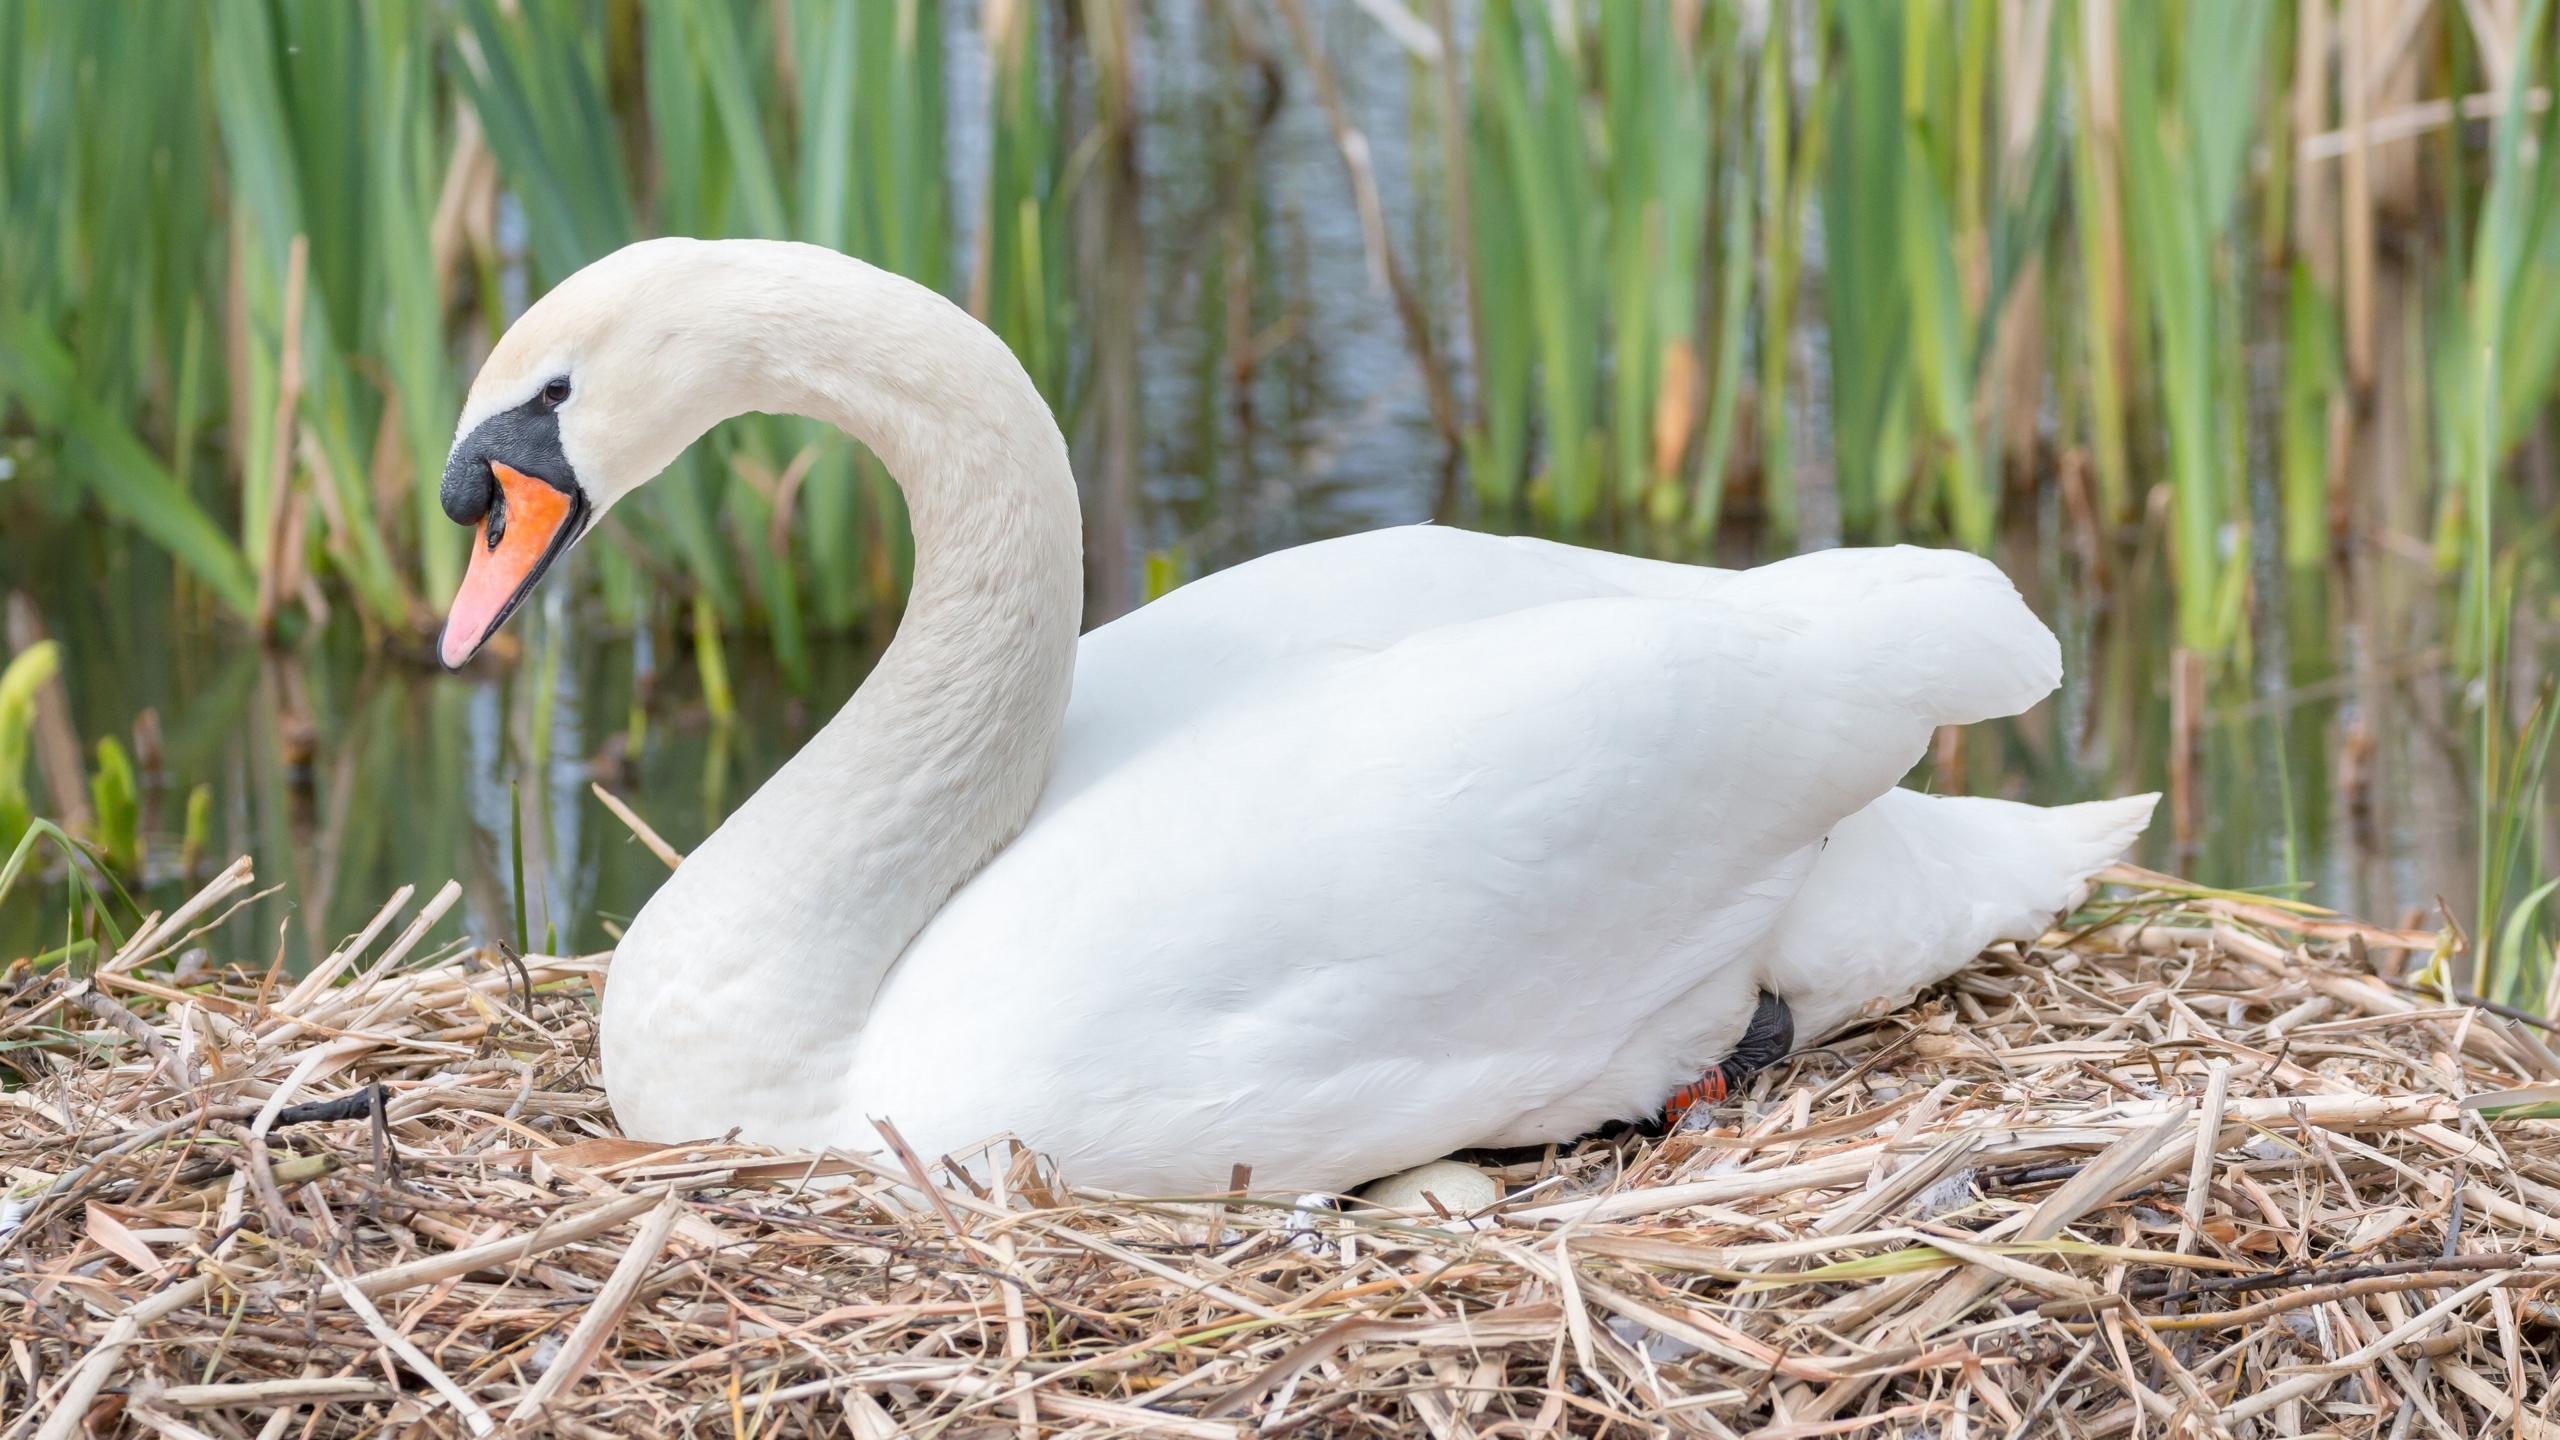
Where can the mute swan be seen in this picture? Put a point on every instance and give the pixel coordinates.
(1335, 862)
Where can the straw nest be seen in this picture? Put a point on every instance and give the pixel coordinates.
(2189, 1167)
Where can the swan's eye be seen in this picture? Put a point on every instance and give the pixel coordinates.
(555, 394)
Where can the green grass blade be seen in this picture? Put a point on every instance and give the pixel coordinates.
(713, 32)
(117, 468)
(529, 73)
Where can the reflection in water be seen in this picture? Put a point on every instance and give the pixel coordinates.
(348, 775)
(1253, 392)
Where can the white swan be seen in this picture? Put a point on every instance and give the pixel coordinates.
(1335, 862)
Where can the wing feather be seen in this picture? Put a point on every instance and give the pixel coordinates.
(1428, 876)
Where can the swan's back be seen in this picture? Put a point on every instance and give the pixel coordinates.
(1362, 852)
(1262, 622)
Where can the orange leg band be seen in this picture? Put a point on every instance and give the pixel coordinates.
(1707, 1089)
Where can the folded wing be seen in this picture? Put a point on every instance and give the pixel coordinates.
(1338, 901)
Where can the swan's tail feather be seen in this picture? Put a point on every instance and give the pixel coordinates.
(2091, 836)
(1910, 888)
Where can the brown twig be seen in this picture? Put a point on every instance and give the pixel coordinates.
(912, 1300)
(1385, 268)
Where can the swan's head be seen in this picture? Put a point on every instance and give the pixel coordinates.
(587, 396)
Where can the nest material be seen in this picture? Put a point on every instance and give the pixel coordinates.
(1992, 1213)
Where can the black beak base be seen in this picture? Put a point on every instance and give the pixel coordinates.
(526, 437)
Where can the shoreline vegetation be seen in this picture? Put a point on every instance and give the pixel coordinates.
(2226, 328)
(2185, 1163)
(2229, 328)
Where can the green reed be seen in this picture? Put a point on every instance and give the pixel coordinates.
(19, 682)
(1545, 170)
(1988, 191)
(2522, 192)
(251, 248)
(1997, 262)
(1641, 178)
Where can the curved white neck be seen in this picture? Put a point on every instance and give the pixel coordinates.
(783, 924)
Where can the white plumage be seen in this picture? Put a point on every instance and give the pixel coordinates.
(1336, 861)
(1489, 855)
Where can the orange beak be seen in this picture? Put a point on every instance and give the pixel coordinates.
(529, 525)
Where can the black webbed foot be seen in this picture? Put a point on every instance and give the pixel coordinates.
(1766, 1041)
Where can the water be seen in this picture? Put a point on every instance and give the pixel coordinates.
(1276, 404)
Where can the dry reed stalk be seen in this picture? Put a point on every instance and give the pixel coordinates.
(1452, 120)
(2187, 701)
(465, 219)
(2181, 1159)
(279, 568)
(2356, 200)
(640, 829)
(2408, 122)
(2314, 221)
(1385, 271)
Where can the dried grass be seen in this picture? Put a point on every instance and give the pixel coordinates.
(1989, 1213)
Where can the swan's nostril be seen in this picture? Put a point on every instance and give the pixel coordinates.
(468, 490)
(497, 512)
(510, 444)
